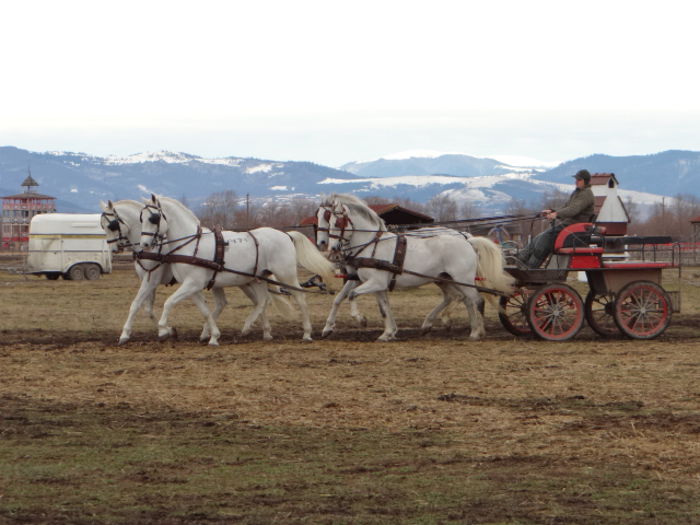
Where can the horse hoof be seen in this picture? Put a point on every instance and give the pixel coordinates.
(326, 333)
(307, 339)
(122, 340)
(213, 343)
(267, 337)
(425, 330)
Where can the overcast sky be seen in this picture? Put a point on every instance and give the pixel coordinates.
(331, 82)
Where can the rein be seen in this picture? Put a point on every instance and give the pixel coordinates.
(395, 267)
(217, 265)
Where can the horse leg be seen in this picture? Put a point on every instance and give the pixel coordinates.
(390, 327)
(198, 299)
(378, 286)
(144, 296)
(221, 302)
(187, 289)
(447, 299)
(339, 298)
(475, 304)
(260, 298)
(355, 311)
(300, 298)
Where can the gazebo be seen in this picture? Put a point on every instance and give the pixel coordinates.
(17, 213)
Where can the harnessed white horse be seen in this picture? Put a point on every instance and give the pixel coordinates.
(384, 260)
(323, 218)
(122, 226)
(199, 260)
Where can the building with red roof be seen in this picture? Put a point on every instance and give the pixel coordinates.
(17, 213)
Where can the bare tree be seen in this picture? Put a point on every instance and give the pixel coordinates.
(219, 209)
(553, 199)
(443, 208)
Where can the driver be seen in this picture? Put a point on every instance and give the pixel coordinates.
(579, 208)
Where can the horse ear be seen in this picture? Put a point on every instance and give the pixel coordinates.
(153, 198)
(110, 206)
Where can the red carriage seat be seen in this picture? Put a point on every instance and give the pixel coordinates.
(578, 241)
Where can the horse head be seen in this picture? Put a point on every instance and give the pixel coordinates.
(324, 213)
(340, 226)
(154, 226)
(115, 228)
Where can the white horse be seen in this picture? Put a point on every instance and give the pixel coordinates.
(173, 229)
(122, 226)
(454, 260)
(323, 219)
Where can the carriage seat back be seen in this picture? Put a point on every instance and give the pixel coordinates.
(577, 239)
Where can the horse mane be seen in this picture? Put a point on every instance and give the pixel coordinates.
(128, 202)
(357, 205)
(178, 204)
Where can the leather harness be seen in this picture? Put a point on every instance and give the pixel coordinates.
(395, 267)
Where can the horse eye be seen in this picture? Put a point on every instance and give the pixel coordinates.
(113, 225)
(154, 219)
(327, 215)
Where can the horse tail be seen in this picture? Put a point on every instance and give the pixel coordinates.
(280, 302)
(490, 265)
(312, 259)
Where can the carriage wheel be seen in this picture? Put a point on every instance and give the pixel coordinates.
(513, 314)
(642, 310)
(600, 313)
(555, 312)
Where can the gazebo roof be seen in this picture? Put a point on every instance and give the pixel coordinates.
(30, 195)
(29, 181)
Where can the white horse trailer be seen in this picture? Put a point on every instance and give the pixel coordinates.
(72, 245)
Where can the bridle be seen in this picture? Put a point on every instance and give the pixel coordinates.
(154, 218)
(115, 225)
(343, 222)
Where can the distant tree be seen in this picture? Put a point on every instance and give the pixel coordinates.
(220, 209)
(553, 199)
(521, 230)
(671, 217)
(442, 208)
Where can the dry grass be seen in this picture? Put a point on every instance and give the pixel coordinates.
(589, 412)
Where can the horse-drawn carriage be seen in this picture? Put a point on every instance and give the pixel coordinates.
(624, 295)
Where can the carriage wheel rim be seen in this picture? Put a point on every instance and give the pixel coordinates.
(556, 312)
(600, 313)
(514, 314)
(642, 310)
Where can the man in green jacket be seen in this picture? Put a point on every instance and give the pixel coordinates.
(579, 208)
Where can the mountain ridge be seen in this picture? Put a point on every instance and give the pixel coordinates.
(79, 181)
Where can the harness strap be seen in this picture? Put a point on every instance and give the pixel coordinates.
(399, 256)
(218, 255)
(395, 267)
(257, 252)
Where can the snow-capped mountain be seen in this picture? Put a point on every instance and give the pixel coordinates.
(80, 181)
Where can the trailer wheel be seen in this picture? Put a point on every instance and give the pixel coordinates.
(555, 312)
(92, 272)
(76, 273)
(600, 313)
(513, 314)
(642, 310)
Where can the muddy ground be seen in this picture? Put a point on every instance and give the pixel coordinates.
(431, 429)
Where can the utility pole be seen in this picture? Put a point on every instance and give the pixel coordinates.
(247, 211)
